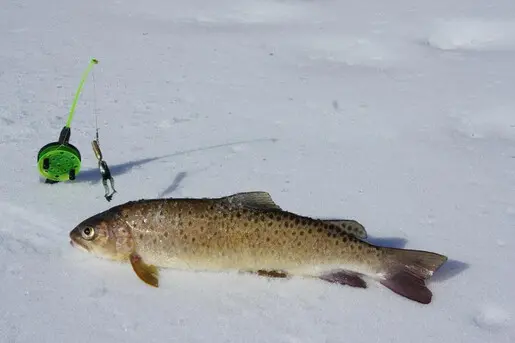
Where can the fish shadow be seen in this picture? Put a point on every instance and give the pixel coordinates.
(449, 269)
(389, 242)
(93, 176)
(176, 183)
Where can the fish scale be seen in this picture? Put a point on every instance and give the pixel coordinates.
(249, 232)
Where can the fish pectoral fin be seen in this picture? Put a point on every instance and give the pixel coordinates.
(258, 200)
(146, 272)
(350, 226)
(344, 277)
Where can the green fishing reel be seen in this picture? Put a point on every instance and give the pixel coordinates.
(59, 161)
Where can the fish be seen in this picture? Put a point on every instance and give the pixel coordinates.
(248, 232)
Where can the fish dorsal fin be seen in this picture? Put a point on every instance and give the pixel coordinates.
(350, 226)
(257, 200)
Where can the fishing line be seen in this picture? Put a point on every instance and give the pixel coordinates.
(95, 144)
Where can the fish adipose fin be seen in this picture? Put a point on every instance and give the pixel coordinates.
(147, 273)
(407, 270)
(350, 226)
(344, 277)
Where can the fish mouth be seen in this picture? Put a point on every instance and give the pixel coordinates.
(76, 243)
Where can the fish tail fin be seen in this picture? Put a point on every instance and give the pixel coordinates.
(407, 270)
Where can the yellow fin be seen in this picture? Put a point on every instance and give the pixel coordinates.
(257, 200)
(146, 272)
(350, 226)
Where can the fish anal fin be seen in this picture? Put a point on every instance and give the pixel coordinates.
(344, 277)
(146, 272)
(257, 200)
(350, 226)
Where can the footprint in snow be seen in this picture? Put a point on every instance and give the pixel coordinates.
(492, 318)
(489, 123)
(472, 34)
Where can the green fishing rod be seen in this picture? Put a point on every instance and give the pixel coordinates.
(61, 161)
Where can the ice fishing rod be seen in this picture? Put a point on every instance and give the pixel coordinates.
(61, 161)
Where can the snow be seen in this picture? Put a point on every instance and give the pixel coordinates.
(399, 114)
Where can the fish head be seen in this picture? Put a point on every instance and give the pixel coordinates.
(103, 235)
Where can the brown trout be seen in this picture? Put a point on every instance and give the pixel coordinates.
(248, 232)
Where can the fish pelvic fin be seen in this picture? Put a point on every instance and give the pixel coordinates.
(407, 270)
(146, 272)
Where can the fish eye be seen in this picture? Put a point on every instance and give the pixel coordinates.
(88, 233)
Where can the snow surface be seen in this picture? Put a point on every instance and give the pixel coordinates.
(400, 114)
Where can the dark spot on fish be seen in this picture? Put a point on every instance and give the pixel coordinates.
(140, 236)
(225, 214)
(189, 223)
(238, 214)
(299, 243)
(211, 207)
(329, 234)
(286, 225)
(270, 223)
(166, 234)
(310, 230)
(268, 239)
(185, 237)
(155, 240)
(294, 233)
(301, 233)
(304, 222)
(201, 216)
(181, 231)
(360, 247)
(336, 242)
(190, 212)
(319, 229)
(245, 224)
(276, 231)
(256, 220)
(345, 238)
(271, 215)
(297, 221)
(201, 228)
(193, 240)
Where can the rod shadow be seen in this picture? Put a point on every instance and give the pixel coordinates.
(92, 175)
(176, 183)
